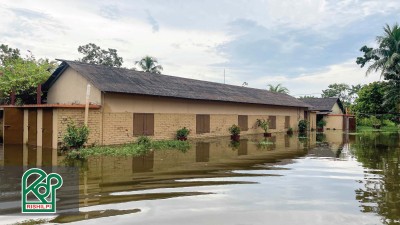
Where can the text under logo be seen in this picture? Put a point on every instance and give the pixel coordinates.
(43, 191)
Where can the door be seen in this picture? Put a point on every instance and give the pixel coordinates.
(13, 126)
(32, 127)
(352, 124)
(47, 128)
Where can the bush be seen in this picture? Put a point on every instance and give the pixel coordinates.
(369, 122)
(76, 136)
(388, 123)
(234, 130)
(321, 123)
(182, 133)
(264, 124)
(303, 125)
(144, 141)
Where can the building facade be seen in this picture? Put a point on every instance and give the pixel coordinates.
(125, 104)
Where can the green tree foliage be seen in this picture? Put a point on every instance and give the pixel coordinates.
(7, 53)
(95, 55)
(278, 89)
(22, 75)
(346, 93)
(149, 64)
(386, 59)
(370, 99)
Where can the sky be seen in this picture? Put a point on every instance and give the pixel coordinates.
(303, 44)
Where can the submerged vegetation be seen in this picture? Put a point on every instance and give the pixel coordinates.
(76, 135)
(142, 146)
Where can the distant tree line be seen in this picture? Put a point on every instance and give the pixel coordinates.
(109, 57)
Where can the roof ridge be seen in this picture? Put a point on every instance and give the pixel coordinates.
(167, 75)
(123, 80)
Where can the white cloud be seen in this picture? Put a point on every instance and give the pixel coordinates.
(189, 32)
(313, 84)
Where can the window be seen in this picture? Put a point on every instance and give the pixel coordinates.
(272, 122)
(243, 122)
(143, 124)
(287, 122)
(202, 124)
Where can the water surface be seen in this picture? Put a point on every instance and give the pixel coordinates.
(330, 178)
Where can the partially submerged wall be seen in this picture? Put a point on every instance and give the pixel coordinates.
(65, 115)
(334, 122)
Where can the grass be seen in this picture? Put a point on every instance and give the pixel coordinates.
(384, 129)
(131, 149)
(263, 143)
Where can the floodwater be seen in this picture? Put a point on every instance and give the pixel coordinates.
(330, 178)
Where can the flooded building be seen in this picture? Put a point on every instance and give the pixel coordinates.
(332, 111)
(126, 103)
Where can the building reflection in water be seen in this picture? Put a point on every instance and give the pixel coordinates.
(242, 150)
(143, 163)
(202, 151)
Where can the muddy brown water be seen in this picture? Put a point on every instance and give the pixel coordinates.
(330, 178)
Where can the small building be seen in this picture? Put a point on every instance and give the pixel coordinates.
(332, 111)
(125, 104)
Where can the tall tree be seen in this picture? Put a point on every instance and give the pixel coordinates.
(346, 93)
(386, 59)
(7, 53)
(370, 98)
(22, 76)
(95, 55)
(278, 88)
(149, 64)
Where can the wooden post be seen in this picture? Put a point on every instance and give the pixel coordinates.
(12, 97)
(87, 104)
(39, 94)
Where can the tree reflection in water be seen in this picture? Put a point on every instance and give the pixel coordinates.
(380, 153)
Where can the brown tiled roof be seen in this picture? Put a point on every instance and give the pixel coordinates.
(322, 104)
(119, 80)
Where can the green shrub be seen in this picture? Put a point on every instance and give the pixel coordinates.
(321, 123)
(76, 136)
(144, 141)
(234, 130)
(369, 121)
(388, 123)
(303, 125)
(182, 133)
(264, 124)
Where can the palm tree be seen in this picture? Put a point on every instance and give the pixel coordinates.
(278, 88)
(388, 53)
(149, 64)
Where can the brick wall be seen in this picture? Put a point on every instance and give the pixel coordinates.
(219, 124)
(117, 128)
(166, 125)
(78, 116)
(253, 128)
